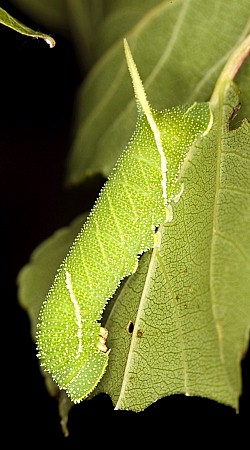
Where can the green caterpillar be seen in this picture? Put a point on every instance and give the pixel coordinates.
(136, 199)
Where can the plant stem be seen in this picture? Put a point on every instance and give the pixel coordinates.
(231, 68)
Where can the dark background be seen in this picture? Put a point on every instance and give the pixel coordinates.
(37, 86)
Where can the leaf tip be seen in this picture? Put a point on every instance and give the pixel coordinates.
(50, 41)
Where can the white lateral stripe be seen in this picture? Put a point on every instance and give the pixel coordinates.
(77, 310)
(157, 136)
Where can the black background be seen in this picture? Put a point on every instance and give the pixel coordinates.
(37, 86)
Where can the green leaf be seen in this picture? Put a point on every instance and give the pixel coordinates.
(9, 21)
(174, 68)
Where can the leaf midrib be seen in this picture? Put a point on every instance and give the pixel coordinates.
(215, 232)
(134, 338)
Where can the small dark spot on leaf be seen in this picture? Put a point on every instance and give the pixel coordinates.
(139, 334)
(130, 327)
(233, 115)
